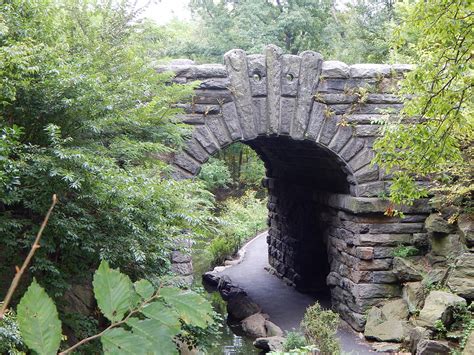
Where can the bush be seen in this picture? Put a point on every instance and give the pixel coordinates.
(215, 174)
(294, 340)
(240, 219)
(319, 327)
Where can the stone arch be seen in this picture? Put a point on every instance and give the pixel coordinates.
(299, 108)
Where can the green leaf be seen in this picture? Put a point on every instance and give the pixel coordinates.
(146, 337)
(162, 314)
(192, 308)
(113, 291)
(144, 288)
(38, 320)
(160, 336)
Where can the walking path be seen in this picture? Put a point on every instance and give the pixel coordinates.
(282, 303)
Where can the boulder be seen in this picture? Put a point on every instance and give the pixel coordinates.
(210, 279)
(416, 335)
(433, 347)
(434, 276)
(446, 245)
(254, 326)
(436, 224)
(461, 279)
(397, 309)
(414, 296)
(231, 292)
(241, 307)
(406, 270)
(270, 343)
(272, 329)
(466, 229)
(439, 306)
(379, 328)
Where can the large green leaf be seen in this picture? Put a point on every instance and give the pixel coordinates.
(113, 291)
(160, 336)
(192, 308)
(163, 314)
(144, 288)
(38, 320)
(146, 337)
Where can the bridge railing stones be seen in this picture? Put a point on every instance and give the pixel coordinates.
(251, 98)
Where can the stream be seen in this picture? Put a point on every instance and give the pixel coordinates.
(284, 304)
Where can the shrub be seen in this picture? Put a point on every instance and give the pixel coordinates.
(294, 340)
(319, 327)
(215, 174)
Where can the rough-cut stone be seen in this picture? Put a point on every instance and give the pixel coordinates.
(210, 278)
(416, 335)
(369, 70)
(241, 307)
(461, 277)
(435, 223)
(414, 295)
(396, 309)
(274, 343)
(466, 228)
(379, 328)
(439, 306)
(254, 326)
(386, 347)
(431, 347)
(183, 269)
(335, 69)
(446, 245)
(406, 270)
(272, 329)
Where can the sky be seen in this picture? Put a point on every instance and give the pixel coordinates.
(163, 11)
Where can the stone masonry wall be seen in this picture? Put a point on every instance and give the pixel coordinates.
(313, 123)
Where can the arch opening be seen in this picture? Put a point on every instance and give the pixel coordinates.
(298, 174)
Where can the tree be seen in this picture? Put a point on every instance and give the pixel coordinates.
(84, 115)
(295, 25)
(438, 145)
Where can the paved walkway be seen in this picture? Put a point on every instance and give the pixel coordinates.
(282, 303)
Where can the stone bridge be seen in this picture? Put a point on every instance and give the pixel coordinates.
(312, 123)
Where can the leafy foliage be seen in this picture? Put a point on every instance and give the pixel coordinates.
(151, 322)
(83, 114)
(404, 251)
(294, 340)
(10, 338)
(438, 146)
(319, 327)
(240, 218)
